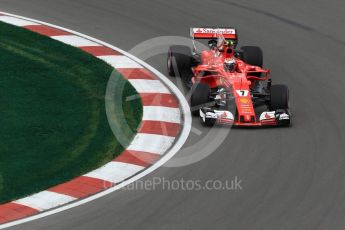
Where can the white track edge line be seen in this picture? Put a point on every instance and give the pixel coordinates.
(187, 124)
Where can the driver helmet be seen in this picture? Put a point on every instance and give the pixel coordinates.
(230, 64)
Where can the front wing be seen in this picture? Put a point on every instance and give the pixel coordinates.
(210, 117)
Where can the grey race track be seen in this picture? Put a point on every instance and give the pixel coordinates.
(293, 178)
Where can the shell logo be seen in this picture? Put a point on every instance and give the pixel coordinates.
(244, 100)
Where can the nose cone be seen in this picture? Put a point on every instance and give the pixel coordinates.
(247, 118)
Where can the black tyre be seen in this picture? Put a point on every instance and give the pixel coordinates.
(200, 96)
(279, 98)
(252, 55)
(208, 123)
(182, 56)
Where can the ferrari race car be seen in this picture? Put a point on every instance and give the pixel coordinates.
(229, 86)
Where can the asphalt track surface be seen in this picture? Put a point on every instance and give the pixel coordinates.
(293, 178)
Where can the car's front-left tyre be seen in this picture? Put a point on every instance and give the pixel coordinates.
(200, 96)
(279, 97)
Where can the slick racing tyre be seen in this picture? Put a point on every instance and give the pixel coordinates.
(182, 56)
(279, 98)
(252, 55)
(200, 96)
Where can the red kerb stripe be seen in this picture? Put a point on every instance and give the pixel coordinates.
(99, 50)
(137, 157)
(46, 30)
(12, 211)
(136, 73)
(159, 99)
(81, 187)
(160, 128)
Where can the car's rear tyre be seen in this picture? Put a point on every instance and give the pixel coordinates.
(182, 56)
(252, 55)
(279, 98)
(200, 96)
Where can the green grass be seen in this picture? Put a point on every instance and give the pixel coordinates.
(53, 124)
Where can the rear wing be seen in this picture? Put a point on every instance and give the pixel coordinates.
(213, 32)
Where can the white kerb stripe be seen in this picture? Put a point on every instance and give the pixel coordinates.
(120, 61)
(149, 86)
(74, 40)
(115, 171)
(45, 200)
(160, 113)
(151, 143)
(17, 21)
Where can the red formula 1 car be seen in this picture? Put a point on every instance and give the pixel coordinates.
(229, 86)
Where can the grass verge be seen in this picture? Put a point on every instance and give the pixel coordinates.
(53, 124)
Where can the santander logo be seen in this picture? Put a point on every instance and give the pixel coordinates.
(214, 31)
